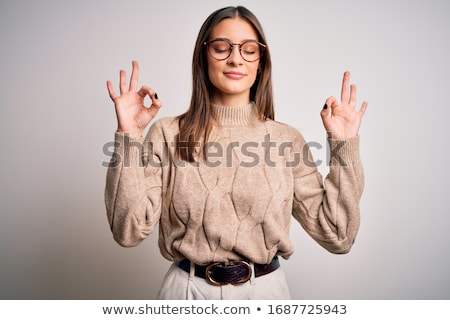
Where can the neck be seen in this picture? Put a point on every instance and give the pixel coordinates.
(231, 100)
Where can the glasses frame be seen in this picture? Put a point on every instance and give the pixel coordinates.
(261, 46)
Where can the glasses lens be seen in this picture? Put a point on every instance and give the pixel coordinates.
(219, 49)
(250, 51)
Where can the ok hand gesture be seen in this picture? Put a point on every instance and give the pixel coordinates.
(341, 120)
(132, 115)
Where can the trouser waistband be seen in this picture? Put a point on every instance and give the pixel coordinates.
(233, 272)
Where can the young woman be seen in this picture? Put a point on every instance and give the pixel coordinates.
(224, 179)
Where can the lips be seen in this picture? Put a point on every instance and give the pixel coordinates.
(234, 75)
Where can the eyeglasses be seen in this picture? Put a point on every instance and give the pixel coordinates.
(220, 49)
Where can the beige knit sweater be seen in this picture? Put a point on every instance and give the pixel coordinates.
(238, 203)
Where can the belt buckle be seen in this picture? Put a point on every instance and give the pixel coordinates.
(211, 281)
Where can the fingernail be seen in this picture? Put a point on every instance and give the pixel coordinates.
(325, 106)
(156, 95)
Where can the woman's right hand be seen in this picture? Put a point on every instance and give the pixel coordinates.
(132, 115)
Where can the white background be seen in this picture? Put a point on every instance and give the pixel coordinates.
(56, 117)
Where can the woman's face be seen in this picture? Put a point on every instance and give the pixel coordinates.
(233, 77)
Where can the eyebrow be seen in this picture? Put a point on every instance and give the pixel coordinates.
(226, 39)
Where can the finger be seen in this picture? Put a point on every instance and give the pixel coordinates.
(353, 95)
(363, 108)
(156, 102)
(154, 108)
(147, 91)
(111, 92)
(134, 76)
(345, 82)
(325, 111)
(123, 82)
(331, 102)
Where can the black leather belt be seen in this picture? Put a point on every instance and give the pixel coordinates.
(232, 272)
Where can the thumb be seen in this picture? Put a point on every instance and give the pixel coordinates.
(325, 111)
(327, 107)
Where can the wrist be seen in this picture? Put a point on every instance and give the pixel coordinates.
(132, 133)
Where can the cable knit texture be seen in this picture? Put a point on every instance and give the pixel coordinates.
(238, 203)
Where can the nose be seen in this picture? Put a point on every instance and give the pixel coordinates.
(235, 56)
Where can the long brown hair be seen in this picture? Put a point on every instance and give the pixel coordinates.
(196, 123)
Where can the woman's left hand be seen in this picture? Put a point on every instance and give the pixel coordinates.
(342, 120)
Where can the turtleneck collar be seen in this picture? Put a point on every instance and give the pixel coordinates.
(235, 116)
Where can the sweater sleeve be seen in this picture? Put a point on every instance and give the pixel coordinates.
(329, 209)
(133, 187)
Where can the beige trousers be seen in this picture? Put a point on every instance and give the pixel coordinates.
(181, 285)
